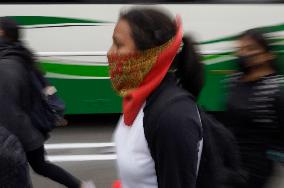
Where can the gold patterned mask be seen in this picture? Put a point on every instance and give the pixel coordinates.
(127, 72)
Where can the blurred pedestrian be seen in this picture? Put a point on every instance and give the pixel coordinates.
(255, 106)
(17, 97)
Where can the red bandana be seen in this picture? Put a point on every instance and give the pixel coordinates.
(127, 72)
(133, 101)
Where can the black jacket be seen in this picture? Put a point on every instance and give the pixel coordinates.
(255, 116)
(172, 130)
(16, 96)
(14, 167)
(255, 112)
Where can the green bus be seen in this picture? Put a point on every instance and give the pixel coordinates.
(71, 41)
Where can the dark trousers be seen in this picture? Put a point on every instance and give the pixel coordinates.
(40, 166)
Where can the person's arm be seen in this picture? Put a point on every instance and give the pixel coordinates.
(15, 100)
(176, 148)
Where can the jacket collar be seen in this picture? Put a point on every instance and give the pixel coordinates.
(169, 82)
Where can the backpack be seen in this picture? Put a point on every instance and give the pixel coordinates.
(220, 165)
(48, 110)
(14, 166)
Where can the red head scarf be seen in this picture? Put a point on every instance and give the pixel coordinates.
(133, 101)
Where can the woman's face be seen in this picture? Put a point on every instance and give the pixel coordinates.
(122, 41)
(252, 53)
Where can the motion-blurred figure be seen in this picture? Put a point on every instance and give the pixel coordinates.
(17, 99)
(255, 107)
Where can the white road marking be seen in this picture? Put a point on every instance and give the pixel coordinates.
(77, 145)
(72, 158)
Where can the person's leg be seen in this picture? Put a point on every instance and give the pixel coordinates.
(39, 165)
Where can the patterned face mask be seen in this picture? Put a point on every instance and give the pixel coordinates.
(127, 72)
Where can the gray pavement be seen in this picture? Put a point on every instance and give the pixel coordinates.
(98, 130)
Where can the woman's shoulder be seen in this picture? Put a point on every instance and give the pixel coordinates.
(274, 79)
(177, 108)
(180, 109)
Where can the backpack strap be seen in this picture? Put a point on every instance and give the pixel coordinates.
(200, 144)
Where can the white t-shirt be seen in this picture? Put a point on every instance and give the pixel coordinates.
(135, 164)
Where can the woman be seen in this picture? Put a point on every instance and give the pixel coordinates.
(158, 138)
(17, 97)
(256, 106)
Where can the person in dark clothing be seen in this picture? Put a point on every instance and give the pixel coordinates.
(255, 106)
(156, 150)
(16, 101)
(13, 162)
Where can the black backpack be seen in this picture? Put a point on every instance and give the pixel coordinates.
(47, 111)
(220, 165)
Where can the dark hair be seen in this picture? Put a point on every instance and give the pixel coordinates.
(189, 67)
(11, 28)
(258, 36)
(12, 34)
(154, 27)
(150, 27)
